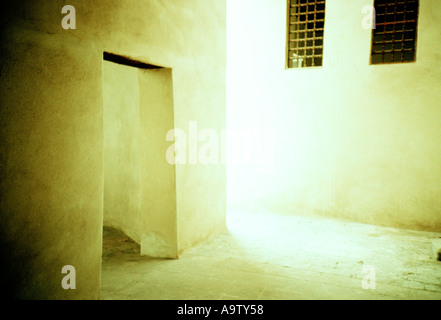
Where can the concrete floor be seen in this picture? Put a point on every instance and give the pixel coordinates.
(275, 257)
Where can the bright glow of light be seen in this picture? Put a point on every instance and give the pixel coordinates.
(260, 98)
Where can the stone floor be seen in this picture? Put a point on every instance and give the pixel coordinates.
(276, 257)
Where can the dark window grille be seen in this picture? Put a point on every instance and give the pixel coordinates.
(306, 25)
(395, 33)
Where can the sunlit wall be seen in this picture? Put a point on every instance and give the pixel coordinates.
(351, 140)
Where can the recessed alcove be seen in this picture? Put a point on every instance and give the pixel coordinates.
(139, 187)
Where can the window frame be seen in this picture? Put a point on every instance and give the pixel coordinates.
(415, 39)
(288, 33)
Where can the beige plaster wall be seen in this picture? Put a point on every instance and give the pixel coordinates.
(52, 129)
(158, 215)
(51, 171)
(122, 162)
(352, 140)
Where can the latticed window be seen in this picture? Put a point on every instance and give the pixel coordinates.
(306, 22)
(395, 33)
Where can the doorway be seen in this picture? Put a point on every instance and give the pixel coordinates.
(139, 184)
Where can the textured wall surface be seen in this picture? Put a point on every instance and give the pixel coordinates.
(352, 140)
(52, 172)
(158, 188)
(122, 161)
